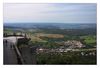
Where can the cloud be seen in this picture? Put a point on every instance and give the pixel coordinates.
(50, 12)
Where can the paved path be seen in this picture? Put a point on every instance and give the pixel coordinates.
(12, 39)
(10, 56)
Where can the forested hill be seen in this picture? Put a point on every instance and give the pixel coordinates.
(51, 25)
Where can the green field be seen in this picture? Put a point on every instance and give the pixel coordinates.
(89, 40)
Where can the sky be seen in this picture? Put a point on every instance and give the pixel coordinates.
(49, 12)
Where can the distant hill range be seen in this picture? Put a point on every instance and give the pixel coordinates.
(50, 25)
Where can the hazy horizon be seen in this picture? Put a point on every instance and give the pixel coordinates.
(50, 13)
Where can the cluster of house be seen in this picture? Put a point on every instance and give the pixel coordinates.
(65, 47)
(74, 44)
(87, 54)
(41, 50)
